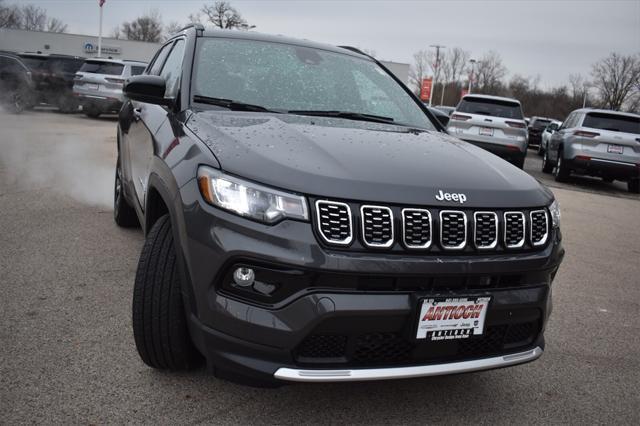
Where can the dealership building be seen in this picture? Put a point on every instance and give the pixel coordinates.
(87, 46)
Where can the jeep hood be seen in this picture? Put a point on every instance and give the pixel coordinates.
(356, 160)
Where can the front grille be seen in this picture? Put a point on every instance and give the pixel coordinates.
(381, 347)
(514, 227)
(486, 230)
(416, 228)
(377, 226)
(453, 229)
(398, 228)
(323, 346)
(396, 348)
(539, 227)
(334, 221)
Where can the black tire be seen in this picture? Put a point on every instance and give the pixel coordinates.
(91, 112)
(159, 321)
(561, 172)
(123, 214)
(633, 186)
(540, 150)
(547, 167)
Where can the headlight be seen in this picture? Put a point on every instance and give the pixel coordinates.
(554, 209)
(249, 199)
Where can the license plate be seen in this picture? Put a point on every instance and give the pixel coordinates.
(615, 149)
(92, 86)
(452, 318)
(486, 131)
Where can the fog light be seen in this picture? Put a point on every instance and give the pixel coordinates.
(244, 277)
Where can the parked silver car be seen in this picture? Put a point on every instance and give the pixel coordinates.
(98, 84)
(493, 123)
(596, 142)
(546, 135)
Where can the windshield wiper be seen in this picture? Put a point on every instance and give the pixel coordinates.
(344, 114)
(231, 104)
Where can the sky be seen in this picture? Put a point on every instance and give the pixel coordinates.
(545, 38)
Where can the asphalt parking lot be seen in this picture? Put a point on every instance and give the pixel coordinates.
(67, 350)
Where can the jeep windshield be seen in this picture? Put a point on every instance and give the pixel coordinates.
(301, 80)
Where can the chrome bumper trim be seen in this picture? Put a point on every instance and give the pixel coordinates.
(619, 163)
(295, 375)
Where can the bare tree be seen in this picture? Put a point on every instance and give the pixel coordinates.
(615, 78)
(457, 62)
(489, 73)
(29, 17)
(171, 28)
(144, 28)
(33, 18)
(419, 69)
(10, 16)
(54, 25)
(223, 15)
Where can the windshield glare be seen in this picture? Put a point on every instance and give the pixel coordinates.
(287, 77)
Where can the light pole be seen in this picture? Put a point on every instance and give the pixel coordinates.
(436, 70)
(473, 63)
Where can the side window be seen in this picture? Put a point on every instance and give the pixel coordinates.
(577, 121)
(158, 61)
(568, 121)
(172, 69)
(137, 70)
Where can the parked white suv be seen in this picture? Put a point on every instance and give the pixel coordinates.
(98, 84)
(493, 123)
(596, 142)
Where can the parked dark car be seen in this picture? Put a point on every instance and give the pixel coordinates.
(53, 79)
(307, 219)
(16, 85)
(536, 127)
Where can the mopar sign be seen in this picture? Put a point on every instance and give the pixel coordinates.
(90, 47)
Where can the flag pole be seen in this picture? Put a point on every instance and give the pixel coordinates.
(100, 33)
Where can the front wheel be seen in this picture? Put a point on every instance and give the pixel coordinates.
(159, 319)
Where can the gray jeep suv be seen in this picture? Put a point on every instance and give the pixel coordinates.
(599, 143)
(493, 123)
(307, 219)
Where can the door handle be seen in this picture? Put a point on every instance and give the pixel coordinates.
(137, 114)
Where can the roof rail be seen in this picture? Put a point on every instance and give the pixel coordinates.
(196, 25)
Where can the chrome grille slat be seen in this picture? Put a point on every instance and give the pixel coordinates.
(377, 226)
(538, 227)
(514, 229)
(417, 228)
(453, 229)
(485, 228)
(334, 222)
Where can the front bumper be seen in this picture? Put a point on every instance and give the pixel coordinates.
(371, 328)
(296, 375)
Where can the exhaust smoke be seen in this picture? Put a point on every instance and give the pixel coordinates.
(58, 156)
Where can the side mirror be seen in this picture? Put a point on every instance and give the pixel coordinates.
(147, 88)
